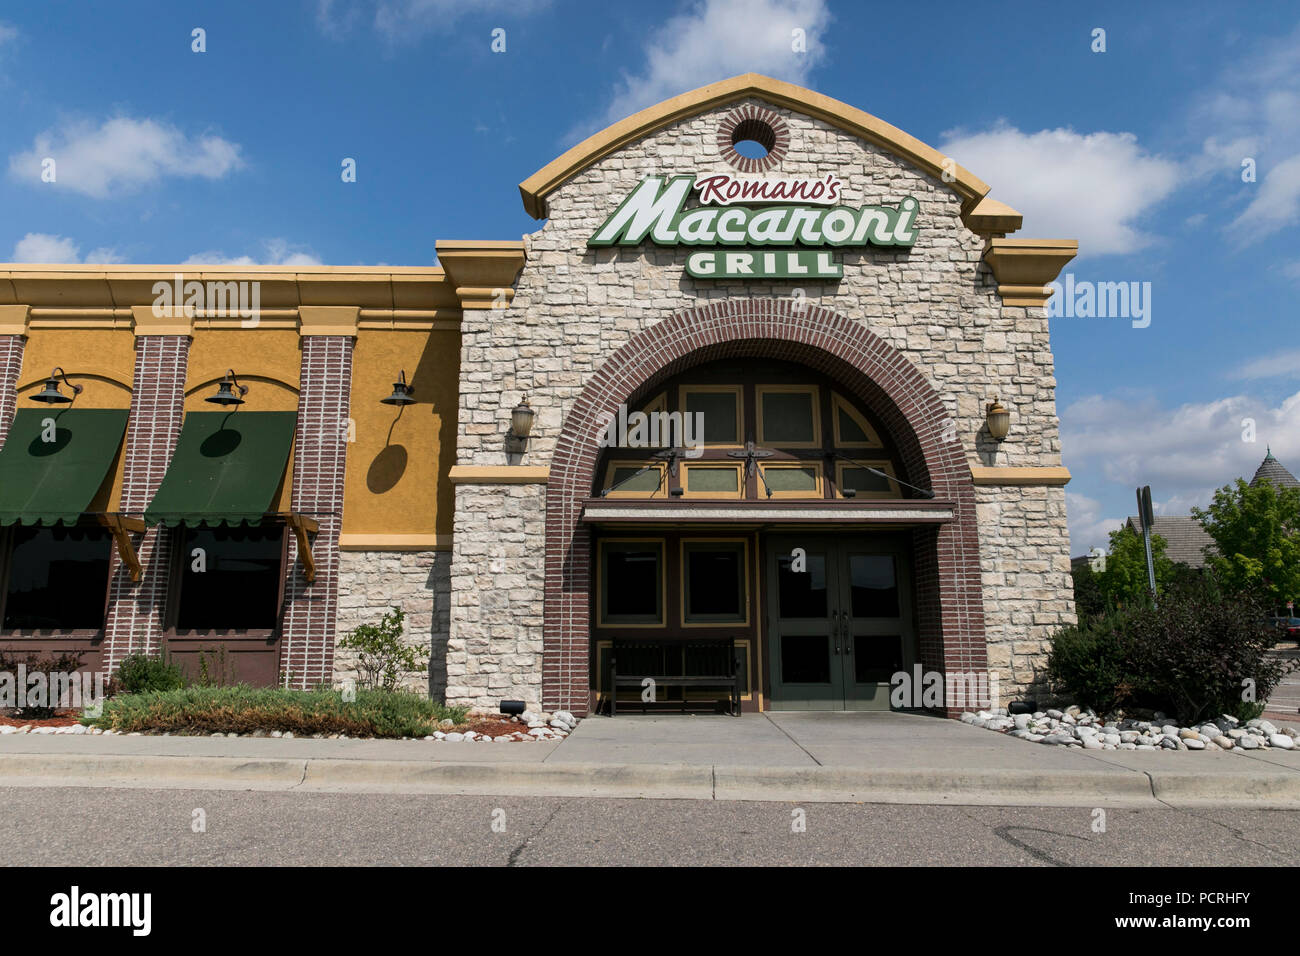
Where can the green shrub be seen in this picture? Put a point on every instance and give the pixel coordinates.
(139, 673)
(1087, 662)
(382, 657)
(48, 664)
(1199, 654)
(243, 709)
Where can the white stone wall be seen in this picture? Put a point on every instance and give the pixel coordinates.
(936, 303)
(495, 649)
(1028, 591)
(419, 582)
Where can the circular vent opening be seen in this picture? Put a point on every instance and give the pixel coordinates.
(753, 139)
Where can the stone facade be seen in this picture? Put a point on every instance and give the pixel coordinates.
(936, 304)
(495, 647)
(1025, 571)
(419, 582)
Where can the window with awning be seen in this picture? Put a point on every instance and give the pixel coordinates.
(54, 462)
(52, 468)
(219, 496)
(226, 469)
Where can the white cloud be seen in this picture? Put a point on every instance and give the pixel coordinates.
(122, 155)
(1089, 527)
(405, 21)
(1183, 453)
(1093, 187)
(275, 252)
(8, 33)
(1277, 203)
(716, 39)
(1273, 365)
(47, 248)
(1253, 107)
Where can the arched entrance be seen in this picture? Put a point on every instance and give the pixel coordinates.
(945, 562)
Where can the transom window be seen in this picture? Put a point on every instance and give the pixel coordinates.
(747, 429)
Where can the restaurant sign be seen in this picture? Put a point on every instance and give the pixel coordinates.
(794, 213)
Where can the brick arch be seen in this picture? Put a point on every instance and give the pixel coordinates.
(950, 609)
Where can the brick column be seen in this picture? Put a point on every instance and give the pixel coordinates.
(319, 456)
(135, 609)
(13, 339)
(11, 363)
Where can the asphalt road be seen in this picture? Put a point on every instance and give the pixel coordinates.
(99, 827)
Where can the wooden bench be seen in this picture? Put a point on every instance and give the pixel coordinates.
(689, 664)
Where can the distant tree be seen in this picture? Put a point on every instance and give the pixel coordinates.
(1088, 599)
(1256, 532)
(1124, 582)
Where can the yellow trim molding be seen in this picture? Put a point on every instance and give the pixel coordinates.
(1051, 475)
(394, 542)
(144, 322)
(499, 474)
(91, 289)
(482, 273)
(328, 320)
(1024, 267)
(13, 319)
(990, 217)
(874, 130)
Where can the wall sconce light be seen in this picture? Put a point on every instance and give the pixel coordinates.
(402, 393)
(521, 426)
(229, 391)
(50, 394)
(998, 419)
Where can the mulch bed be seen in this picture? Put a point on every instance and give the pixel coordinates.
(491, 726)
(64, 719)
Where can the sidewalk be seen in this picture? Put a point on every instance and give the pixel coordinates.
(871, 758)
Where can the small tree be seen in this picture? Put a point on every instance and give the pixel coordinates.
(1256, 532)
(382, 657)
(1088, 599)
(1124, 583)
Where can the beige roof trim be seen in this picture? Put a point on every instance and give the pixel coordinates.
(537, 187)
(87, 289)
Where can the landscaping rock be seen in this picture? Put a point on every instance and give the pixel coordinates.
(1194, 743)
(1248, 742)
(454, 737)
(1224, 741)
(1281, 740)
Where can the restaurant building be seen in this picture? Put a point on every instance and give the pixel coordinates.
(770, 370)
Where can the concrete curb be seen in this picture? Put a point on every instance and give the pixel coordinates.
(993, 787)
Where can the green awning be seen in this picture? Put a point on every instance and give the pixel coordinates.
(226, 470)
(54, 462)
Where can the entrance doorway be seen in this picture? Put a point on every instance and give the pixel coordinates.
(839, 620)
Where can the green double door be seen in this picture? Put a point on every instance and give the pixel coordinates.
(839, 620)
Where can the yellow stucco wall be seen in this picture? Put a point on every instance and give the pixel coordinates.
(102, 361)
(266, 360)
(397, 465)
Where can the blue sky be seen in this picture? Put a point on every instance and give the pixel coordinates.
(233, 154)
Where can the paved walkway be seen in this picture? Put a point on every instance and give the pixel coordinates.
(878, 758)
